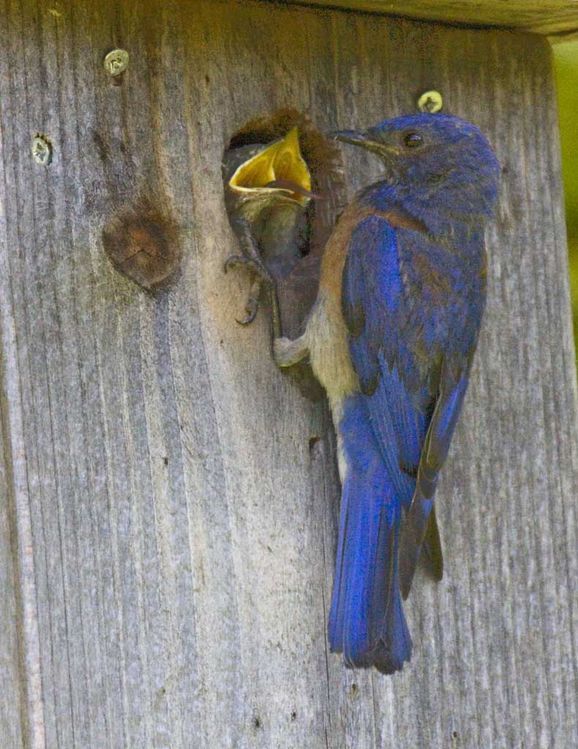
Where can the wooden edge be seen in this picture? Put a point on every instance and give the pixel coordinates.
(532, 16)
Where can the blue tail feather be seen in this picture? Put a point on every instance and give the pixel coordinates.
(367, 622)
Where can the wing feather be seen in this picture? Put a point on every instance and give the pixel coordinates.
(413, 396)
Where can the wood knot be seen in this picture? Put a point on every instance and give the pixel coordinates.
(143, 243)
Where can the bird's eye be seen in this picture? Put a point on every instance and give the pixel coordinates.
(412, 140)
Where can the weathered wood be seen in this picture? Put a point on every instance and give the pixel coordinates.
(537, 16)
(174, 514)
(11, 696)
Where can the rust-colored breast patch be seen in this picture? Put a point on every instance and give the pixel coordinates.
(338, 244)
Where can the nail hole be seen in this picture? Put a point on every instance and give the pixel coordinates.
(313, 441)
(166, 461)
(294, 715)
(257, 722)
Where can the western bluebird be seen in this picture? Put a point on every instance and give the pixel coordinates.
(391, 337)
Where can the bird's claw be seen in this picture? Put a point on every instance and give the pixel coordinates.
(255, 266)
(262, 278)
(252, 261)
(251, 309)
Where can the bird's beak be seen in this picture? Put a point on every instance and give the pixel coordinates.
(355, 137)
(276, 170)
(362, 138)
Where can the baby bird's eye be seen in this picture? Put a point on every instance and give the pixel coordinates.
(412, 139)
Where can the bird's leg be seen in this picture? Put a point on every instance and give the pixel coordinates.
(251, 259)
(286, 353)
(253, 301)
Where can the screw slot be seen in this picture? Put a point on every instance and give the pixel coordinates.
(430, 101)
(116, 62)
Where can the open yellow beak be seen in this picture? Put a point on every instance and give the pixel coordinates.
(278, 169)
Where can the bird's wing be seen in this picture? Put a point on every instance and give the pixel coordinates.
(434, 453)
(413, 403)
(431, 549)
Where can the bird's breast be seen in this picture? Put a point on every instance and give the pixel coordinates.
(327, 334)
(326, 331)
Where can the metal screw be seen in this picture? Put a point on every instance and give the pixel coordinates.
(430, 101)
(116, 62)
(41, 150)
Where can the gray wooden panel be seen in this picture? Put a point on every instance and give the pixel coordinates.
(11, 697)
(175, 532)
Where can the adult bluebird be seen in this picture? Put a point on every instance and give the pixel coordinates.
(391, 337)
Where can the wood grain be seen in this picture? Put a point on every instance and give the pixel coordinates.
(171, 498)
(536, 16)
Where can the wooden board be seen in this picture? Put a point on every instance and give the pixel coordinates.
(173, 514)
(537, 16)
(11, 694)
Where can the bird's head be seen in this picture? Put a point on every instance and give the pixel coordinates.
(433, 157)
(273, 172)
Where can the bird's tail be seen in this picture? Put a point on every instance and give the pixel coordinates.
(367, 622)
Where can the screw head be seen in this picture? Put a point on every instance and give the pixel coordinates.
(430, 101)
(116, 62)
(41, 150)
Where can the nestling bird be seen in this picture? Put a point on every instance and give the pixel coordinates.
(267, 189)
(391, 337)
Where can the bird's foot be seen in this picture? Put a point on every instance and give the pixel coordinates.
(261, 279)
(287, 353)
(254, 265)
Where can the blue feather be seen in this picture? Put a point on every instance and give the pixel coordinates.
(366, 621)
(412, 297)
(393, 445)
